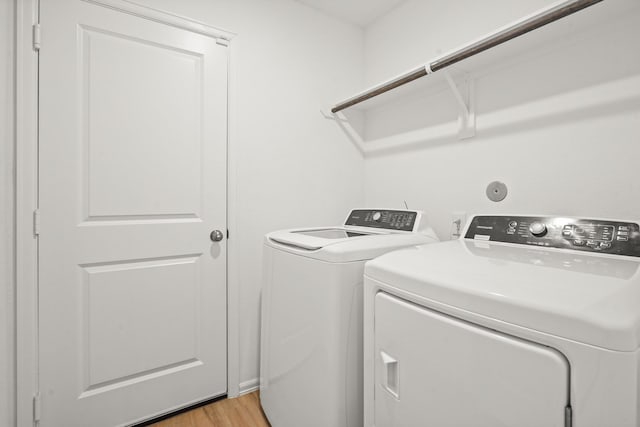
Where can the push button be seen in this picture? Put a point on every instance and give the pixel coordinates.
(538, 228)
(605, 245)
(578, 242)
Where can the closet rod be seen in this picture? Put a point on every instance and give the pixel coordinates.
(546, 17)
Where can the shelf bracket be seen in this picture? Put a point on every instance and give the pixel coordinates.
(338, 117)
(346, 127)
(465, 99)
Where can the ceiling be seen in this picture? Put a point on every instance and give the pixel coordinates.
(358, 12)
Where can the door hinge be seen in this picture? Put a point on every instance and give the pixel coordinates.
(36, 222)
(227, 234)
(568, 416)
(36, 407)
(36, 37)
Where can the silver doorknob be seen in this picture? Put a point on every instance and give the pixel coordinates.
(216, 235)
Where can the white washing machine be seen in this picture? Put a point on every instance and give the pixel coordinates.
(311, 338)
(525, 322)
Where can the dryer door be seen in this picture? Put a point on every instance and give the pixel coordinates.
(435, 370)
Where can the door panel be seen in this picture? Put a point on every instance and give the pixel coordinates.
(132, 292)
(121, 84)
(434, 370)
(153, 339)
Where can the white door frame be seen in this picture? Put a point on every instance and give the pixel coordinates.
(26, 72)
(26, 203)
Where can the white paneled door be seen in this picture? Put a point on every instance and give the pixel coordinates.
(132, 290)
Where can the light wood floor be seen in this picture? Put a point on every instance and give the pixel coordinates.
(243, 411)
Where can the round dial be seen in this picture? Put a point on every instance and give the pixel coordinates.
(538, 229)
(377, 216)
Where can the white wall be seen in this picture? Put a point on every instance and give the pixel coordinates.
(294, 167)
(7, 288)
(560, 126)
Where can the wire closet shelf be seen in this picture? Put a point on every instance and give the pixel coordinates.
(501, 36)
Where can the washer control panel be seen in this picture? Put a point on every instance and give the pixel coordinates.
(380, 218)
(591, 235)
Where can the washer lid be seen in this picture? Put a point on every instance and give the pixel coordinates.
(343, 244)
(317, 238)
(594, 299)
(332, 233)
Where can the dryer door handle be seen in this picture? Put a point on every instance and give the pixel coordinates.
(390, 375)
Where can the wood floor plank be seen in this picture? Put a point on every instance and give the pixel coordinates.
(243, 411)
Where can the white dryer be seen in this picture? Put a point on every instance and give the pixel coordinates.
(311, 337)
(525, 322)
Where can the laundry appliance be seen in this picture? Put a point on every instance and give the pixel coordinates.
(311, 337)
(527, 321)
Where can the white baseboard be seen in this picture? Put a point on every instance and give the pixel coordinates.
(249, 386)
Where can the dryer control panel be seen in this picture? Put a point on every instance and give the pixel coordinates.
(591, 235)
(401, 220)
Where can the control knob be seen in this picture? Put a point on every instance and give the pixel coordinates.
(376, 216)
(538, 229)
